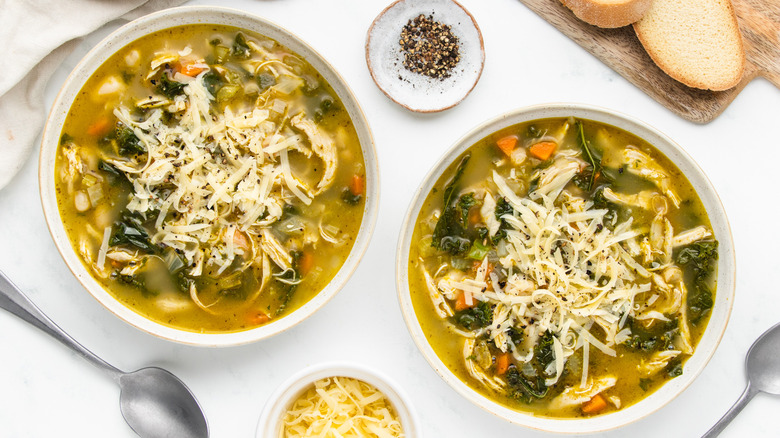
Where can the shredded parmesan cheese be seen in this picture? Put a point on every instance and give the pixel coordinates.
(341, 407)
(568, 271)
(209, 172)
(101, 260)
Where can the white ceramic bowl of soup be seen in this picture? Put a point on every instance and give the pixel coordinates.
(720, 312)
(222, 17)
(276, 406)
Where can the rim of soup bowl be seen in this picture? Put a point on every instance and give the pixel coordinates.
(294, 386)
(221, 16)
(724, 297)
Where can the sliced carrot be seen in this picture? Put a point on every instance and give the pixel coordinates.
(489, 269)
(460, 303)
(190, 68)
(502, 363)
(306, 262)
(357, 185)
(543, 150)
(477, 264)
(474, 216)
(258, 318)
(507, 144)
(99, 127)
(595, 405)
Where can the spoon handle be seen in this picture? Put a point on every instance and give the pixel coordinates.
(746, 396)
(14, 301)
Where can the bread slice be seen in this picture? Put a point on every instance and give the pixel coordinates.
(608, 13)
(696, 42)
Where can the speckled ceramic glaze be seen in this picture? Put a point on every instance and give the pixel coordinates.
(285, 395)
(414, 91)
(724, 297)
(163, 20)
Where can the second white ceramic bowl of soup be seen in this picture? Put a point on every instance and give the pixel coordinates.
(273, 74)
(494, 130)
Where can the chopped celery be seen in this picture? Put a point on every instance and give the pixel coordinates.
(227, 92)
(478, 251)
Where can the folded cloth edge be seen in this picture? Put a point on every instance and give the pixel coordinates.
(22, 108)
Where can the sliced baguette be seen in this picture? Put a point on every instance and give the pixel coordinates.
(608, 13)
(696, 42)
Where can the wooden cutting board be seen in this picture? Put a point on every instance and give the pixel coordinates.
(620, 49)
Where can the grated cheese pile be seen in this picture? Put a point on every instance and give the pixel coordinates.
(217, 179)
(569, 269)
(341, 407)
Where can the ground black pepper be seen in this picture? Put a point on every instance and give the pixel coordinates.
(429, 47)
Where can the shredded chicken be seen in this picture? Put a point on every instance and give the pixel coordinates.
(322, 145)
(577, 395)
(642, 165)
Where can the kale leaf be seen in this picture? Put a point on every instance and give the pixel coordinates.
(128, 142)
(543, 351)
(594, 172)
(130, 231)
(286, 284)
(66, 138)
(515, 335)
(476, 317)
(584, 181)
(527, 387)
(137, 281)
(674, 368)
(700, 257)
(213, 82)
(169, 88)
(503, 207)
(114, 175)
(241, 49)
(658, 338)
(450, 232)
(522, 387)
(350, 198)
(602, 203)
(699, 302)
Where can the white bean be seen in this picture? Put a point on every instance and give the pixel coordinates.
(82, 201)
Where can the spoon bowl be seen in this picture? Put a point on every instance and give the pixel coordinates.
(763, 373)
(763, 362)
(155, 403)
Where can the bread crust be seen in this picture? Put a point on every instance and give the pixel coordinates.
(697, 43)
(608, 13)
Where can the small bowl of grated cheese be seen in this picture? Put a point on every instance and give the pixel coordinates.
(337, 399)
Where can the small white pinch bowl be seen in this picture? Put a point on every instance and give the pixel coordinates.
(414, 91)
(724, 296)
(178, 17)
(270, 423)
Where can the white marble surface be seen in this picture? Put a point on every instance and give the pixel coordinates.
(45, 390)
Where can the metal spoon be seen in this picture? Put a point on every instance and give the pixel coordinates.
(154, 402)
(763, 371)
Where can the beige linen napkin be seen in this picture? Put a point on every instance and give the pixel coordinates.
(39, 35)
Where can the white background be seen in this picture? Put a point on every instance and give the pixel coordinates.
(45, 390)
